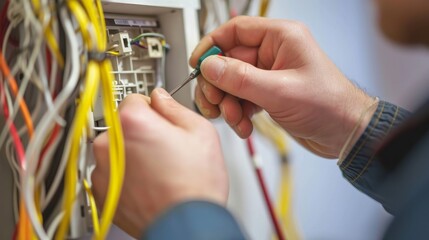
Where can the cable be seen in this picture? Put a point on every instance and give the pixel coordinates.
(79, 122)
(116, 152)
(92, 205)
(13, 85)
(24, 229)
(269, 129)
(143, 35)
(261, 181)
(113, 53)
(53, 63)
(44, 126)
(263, 7)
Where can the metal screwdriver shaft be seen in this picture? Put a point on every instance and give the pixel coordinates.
(193, 75)
(212, 51)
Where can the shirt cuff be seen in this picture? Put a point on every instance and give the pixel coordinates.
(195, 220)
(358, 165)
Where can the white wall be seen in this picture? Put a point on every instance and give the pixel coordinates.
(326, 206)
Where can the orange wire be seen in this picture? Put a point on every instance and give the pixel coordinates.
(24, 225)
(25, 230)
(13, 85)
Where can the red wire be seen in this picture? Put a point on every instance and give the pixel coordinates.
(268, 202)
(12, 129)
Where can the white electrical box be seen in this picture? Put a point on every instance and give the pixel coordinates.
(177, 21)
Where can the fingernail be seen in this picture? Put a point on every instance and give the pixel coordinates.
(213, 68)
(203, 110)
(222, 110)
(204, 87)
(238, 130)
(162, 93)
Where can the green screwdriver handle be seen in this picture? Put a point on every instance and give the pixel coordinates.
(215, 50)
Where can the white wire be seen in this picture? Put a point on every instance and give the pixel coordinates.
(57, 220)
(15, 204)
(46, 93)
(15, 174)
(54, 225)
(10, 155)
(45, 124)
(73, 79)
(54, 64)
(47, 159)
(30, 24)
(28, 69)
(151, 34)
(100, 129)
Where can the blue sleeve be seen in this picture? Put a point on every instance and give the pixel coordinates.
(361, 166)
(195, 220)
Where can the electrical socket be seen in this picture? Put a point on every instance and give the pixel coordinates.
(123, 41)
(154, 47)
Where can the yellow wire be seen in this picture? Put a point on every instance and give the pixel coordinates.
(116, 151)
(284, 204)
(113, 53)
(102, 23)
(82, 20)
(263, 7)
(89, 14)
(273, 132)
(49, 35)
(92, 205)
(92, 15)
(78, 128)
(53, 45)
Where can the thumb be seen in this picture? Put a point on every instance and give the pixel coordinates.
(173, 111)
(244, 80)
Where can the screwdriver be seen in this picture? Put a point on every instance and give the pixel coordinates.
(212, 51)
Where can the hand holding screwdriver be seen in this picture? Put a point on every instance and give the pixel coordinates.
(276, 65)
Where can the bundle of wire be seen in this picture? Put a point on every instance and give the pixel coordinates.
(52, 60)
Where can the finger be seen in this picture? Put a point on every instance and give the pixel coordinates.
(99, 186)
(101, 152)
(173, 111)
(230, 108)
(244, 128)
(138, 117)
(248, 108)
(245, 81)
(243, 31)
(245, 54)
(213, 94)
(207, 109)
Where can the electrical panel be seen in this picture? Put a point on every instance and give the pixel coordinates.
(137, 50)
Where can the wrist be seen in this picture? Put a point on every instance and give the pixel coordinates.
(359, 123)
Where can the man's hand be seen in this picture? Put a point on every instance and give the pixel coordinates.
(276, 65)
(172, 155)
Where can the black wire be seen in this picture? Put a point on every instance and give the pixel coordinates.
(68, 117)
(54, 167)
